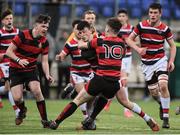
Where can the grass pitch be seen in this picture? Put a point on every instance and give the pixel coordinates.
(111, 122)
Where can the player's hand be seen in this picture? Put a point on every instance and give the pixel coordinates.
(50, 78)
(23, 62)
(142, 50)
(171, 66)
(58, 57)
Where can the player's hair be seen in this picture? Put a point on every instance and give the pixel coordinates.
(43, 19)
(6, 13)
(123, 10)
(82, 25)
(88, 12)
(156, 6)
(75, 22)
(115, 24)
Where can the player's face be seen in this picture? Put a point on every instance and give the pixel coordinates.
(90, 18)
(8, 22)
(86, 34)
(77, 33)
(123, 18)
(154, 15)
(42, 28)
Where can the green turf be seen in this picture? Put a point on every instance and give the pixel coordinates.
(111, 122)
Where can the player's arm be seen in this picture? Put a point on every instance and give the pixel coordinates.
(61, 56)
(172, 54)
(130, 41)
(10, 53)
(45, 67)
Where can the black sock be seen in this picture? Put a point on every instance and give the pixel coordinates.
(68, 111)
(100, 103)
(20, 105)
(42, 109)
(157, 98)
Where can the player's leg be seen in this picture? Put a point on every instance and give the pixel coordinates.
(121, 96)
(165, 96)
(40, 102)
(81, 98)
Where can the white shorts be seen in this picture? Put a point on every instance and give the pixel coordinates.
(5, 69)
(148, 70)
(126, 64)
(75, 78)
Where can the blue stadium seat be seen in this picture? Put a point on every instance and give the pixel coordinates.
(176, 12)
(133, 3)
(64, 10)
(165, 3)
(107, 11)
(166, 13)
(106, 2)
(37, 9)
(80, 9)
(122, 4)
(95, 8)
(136, 12)
(146, 3)
(20, 9)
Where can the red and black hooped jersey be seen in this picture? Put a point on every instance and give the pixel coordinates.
(5, 40)
(124, 33)
(153, 38)
(78, 64)
(110, 51)
(29, 48)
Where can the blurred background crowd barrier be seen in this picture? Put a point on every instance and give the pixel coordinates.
(63, 12)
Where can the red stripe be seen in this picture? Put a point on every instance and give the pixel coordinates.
(165, 110)
(142, 114)
(64, 111)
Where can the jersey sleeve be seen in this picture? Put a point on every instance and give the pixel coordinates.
(93, 43)
(45, 48)
(136, 30)
(168, 34)
(17, 40)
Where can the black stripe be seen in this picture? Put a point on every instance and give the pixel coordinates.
(149, 62)
(27, 54)
(109, 67)
(3, 47)
(154, 52)
(143, 41)
(151, 31)
(71, 48)
(102, 56)
(82, 74)
(111, 78)
(7, 37)
(81, 68)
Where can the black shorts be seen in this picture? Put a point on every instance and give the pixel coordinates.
(99, 85)
(18, 77)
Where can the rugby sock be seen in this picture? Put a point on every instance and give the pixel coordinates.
(68, 111)
(41, 105)
(83, 108)
(127, 95)
(20, 105)
(165, 106)
(137, 109)
(15, 108)
(100, 104)
(2, 89)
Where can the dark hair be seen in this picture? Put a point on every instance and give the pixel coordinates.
(156, 6)
(88, 12)
(115, 24)
(43, 19)
(123, 10)
(82, 25)
(75, 22)
(6, 13)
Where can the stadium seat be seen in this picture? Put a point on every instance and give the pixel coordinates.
(136, 12)
(176, 12)
(122, 4)
(146, 3)
(37, 9)
(80, 9)
(166, 13)
(64, 10)
(134, 3)
(165, 3)
(107, 11)
(20, 9)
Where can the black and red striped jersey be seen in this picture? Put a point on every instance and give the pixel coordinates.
(124, 32)
(5, 40)
(110, 51)
(29, 48)
(78, 64)
(153, 38)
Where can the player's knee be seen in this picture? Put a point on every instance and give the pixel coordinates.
(154, 89)
(163, 82)
(37, 94)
